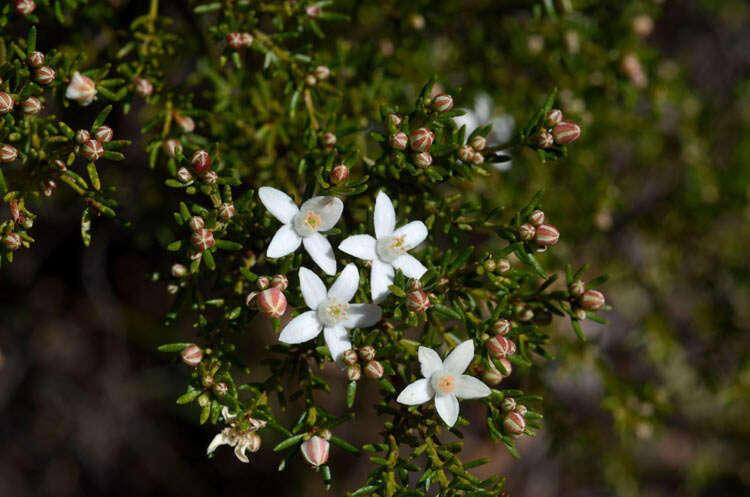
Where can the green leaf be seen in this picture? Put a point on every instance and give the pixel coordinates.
(173, 347)
(86, 227)
(344, 445)
(351, 393)
(289, 442)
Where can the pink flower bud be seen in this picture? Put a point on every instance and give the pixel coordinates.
(143, 87)
(398, 140)
(566, 132)
(47, 187)
(526, 231)
(8, 153)
(185, 122)
(477, 158)
(499, 346)
(349, 357)
(104, 134)
(246, 39)
(501, 327)
(466, 153)
(415, 285)
(492, 376)
(354, 372)
(234, 40)
(82, 136)
(36, 59)
(172, 146)
(202, 239)
(537, 217)
(196, 223)
(191, 355)
(395, 119)
(545, 139)
(311, 80)
(340, 173)
(178, 270)
(421, 139)
(592, 300)
(522, 409)
(508, 404)
(12, 241)
(322, 72)
(329, 139)
(553, 118)
(546, 235)
(263, 282)
(525, 314)
(220, 389)
(503, 265)
(577, 288)
(59, 166)
(313, 11)
(280, 281)
(442, 103)
(374, 370)
(81, 88)
(315, 450)
(31, 106)
(210, 177)
(478, 142)
(417, 301)
(92, 150)
(514, 423)
(6, 103)
(25, 7)
(367, 353)
(45, 75)
(423, 160)
(184, 176)
(200, 162)
(226, 211)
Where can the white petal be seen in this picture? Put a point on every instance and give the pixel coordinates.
(360, 246)
(429, 360)
(226, 414)
(362, 315)
(218, 440)
(304, 327)
(328, 208)
(447, 408)
(460, 357)
(410, 266)
(483, 107)
(284, 242)
(385, 216)
(239, 451)
(414, 233)
(416, 393)
(337, 341)
(278, 203)
(313, 288)
(321, 252)
(346, 285)
(468, 387)
(381, 277)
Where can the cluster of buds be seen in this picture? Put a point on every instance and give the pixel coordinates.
(420, 141)
(270, 299)
(320, 73)
(556, 130)
(237, 40)
(92, 148)
(471, 153)
(514, 421)
(501, 266)
(535, 230)
(351, 358)
(315, 449)
(499, 348)
(585, 300)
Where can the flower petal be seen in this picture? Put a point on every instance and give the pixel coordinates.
(313, 288)
(239, 451)
(381, 277)
(385, 216)
(447, 408)
(284, 242)
(460, 357)
(304, 327)
(321, 252)
(416, 393)
(279, 204)
(362, 315)
(410, 266)
(414, 233)
(337, 341)
(360, 246)
(346, 285)
(328, 208)
(429, 360)
(468, 387)
(218, 440)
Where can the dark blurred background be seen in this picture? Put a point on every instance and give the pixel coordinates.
(655, 404)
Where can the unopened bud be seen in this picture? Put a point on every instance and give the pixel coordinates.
(509, 404)
(417, 301)
(92, 150)
(45, 75)
(340, 173)
(354, 372)
(184, 176)
(490, 265)
(421, 139)
(81, 88)
(423, 160)
(374, 370)
(200, 162)
(196, 223)
(210, 177)
(442, 103)
(501, 327)
(47, 187)
(59, 166)
(313, 11)
(329, 139)
(246, 39)
(31, 106)
(234, 40)
(537, 217)
(6, 103)
(577, 288)
(192, 355)
(104, 134)
(566, 132)
(514, 423)
(12, 241)
(349, 357)
(311, 80)
(263, 282)
(503, 265)
(272, 303)
(185, 122)
(478, 142)
(202, 239)
(226, 211)
(415, 284)
(398, 140)
(82, 136)
(546, 235)
(522, 409)
(367, 353)
(280, 281)
(395, 119)
(322, 72)
(250, 301)
(315, 450)
(593, 300)
(580, 314)
(499, 346)
(143, 87)
(545, 139)
(172, 289)
(220, 389)
(36, 59)
(477, 159)
(173, 146)
(466, 153)
(526, 231)
(25, 7)
(553, 118)
(8, 153)
(178, 270)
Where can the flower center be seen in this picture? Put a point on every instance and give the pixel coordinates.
(443, 382)
(332, 311)
(389, 248)
(307, 223)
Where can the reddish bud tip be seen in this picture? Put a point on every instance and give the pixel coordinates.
(191, 355)
(501, 327)
(526, 231)
(421, 139)
(202, 239)
(280, 281)
(398, 140)
(31, 106)
(417, 301)
(104, 134)
(340, 173)
(566, 132)
(546, 235)
(6, 103)
(92, 150)
(514, 423)
(36, 59)
(349, 357)
(499, 347)
(478, 142)
(12, 241)
(545, 139)
(423, 160)
(143, 87)
(200, 162)
(553, 118)
(8, 153)
(82, 136)
(354, 371)
(272, 303)
(315, 450)
(226, 211)
(45, 75)
(466, 153)
(537, 217)
(374, 370)
(442, 103)
(593, 300)
(367, 353)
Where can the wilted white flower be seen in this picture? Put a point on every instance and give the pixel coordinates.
(330, 311)
(81, 89)
(388, 250)
(445, 382)
(481, 114)
(241, 440)
(303, 225)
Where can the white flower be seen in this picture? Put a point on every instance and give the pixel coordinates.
(388, 250)
(481, 114)
(81, 89)
(445, 382)
(241, 440)
(330, 311)
(303, 226)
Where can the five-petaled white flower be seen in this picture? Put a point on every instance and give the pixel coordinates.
(388, 249)
(241, 440)
(330, 311)
(445, 382)
(303, 225)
